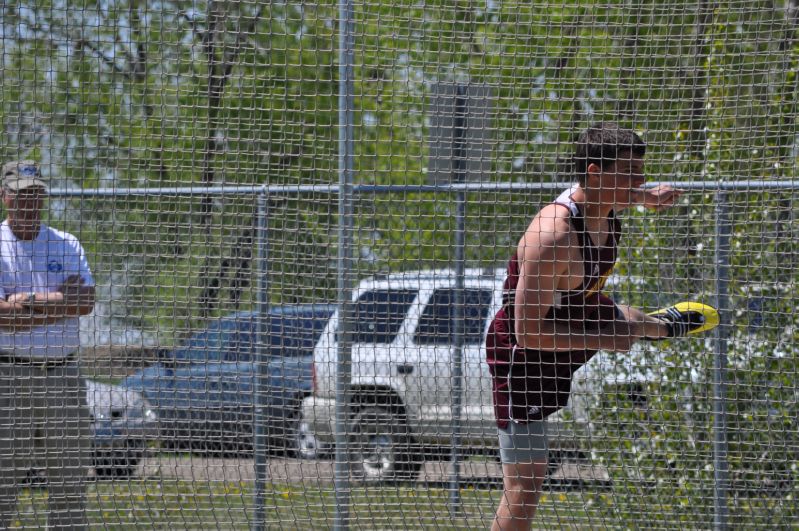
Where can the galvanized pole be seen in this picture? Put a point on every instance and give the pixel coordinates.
(720, 465)
(346, 102)
(459, 169)
(261, 377)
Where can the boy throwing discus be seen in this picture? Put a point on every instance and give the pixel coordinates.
(554, 317)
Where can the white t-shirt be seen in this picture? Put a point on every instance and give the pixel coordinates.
(42, 264)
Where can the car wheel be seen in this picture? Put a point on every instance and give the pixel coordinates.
(120, 463)
(306, 444)
(115, 466)
(382, 447)
(35, 478)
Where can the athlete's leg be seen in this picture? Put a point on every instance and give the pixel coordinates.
(522, 489)
(524, 454)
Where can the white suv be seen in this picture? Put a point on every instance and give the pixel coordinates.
(401, 388)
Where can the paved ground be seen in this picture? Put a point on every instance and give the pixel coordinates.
(199, 468)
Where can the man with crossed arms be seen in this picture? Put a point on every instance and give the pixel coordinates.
(45, 286)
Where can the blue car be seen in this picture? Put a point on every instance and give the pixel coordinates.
(203, 394)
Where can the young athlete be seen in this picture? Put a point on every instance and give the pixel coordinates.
(554, 317)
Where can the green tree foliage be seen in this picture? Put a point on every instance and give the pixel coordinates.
(178, 93)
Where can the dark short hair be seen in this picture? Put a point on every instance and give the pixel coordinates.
(602, 144)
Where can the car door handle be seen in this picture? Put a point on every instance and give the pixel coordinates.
(404, 369)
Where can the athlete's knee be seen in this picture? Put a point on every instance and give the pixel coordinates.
(523, 482)
(522, 493)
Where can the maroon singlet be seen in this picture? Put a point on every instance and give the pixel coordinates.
(532, 384)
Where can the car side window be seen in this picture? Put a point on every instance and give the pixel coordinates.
(379, 315)
(296, 335)
(436, 326)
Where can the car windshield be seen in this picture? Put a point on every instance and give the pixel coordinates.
(219, 342)
(234, 338)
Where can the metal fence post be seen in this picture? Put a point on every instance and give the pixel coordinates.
(720, 465)
(346, 102)
(261, 379)
(459, 166)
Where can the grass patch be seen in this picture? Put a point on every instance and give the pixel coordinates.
(179, 504)
(182, 504)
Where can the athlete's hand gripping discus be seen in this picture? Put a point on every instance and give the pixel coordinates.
(687, 319)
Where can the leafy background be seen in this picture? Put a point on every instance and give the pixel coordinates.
(178, 93)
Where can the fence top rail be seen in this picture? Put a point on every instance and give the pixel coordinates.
(704, 186)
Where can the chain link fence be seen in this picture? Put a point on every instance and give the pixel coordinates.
(252, 182)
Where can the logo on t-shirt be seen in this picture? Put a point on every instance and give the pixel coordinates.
(54, 266)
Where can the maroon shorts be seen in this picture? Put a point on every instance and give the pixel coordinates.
(531, 384)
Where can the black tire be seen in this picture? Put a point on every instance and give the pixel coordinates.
(110, 466)
(306, 444)
(281, 432)
(35, 479)
(382, 448)
(118, 463)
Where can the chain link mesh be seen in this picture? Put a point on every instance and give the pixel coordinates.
(193, 149)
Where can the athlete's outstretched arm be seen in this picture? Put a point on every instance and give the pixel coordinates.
(656, 198)
(650, 327)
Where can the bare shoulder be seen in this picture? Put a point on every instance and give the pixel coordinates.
(550, 229)
(544, 255)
